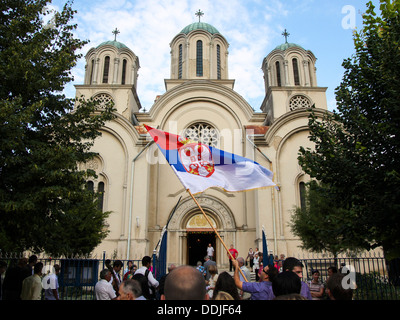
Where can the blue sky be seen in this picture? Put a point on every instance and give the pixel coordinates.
(252, 28)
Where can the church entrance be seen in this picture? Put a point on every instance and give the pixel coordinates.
(197, 245)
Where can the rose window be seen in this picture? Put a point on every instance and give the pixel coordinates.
(203, 133)
(104, 99)
(299, 102)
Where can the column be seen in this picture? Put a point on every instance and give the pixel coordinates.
(306, 73)
(116, 67)
(286, 64)
(96, 70)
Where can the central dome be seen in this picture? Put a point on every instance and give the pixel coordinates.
(114, 43)
(199, 25)
(287, 45)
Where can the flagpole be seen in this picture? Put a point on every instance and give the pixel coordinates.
(209, 222)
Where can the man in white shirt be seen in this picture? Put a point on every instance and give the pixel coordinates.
(145, 270)
(104, 289)
(50, 284)
(210, 251)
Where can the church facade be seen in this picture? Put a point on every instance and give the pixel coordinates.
(140, 188)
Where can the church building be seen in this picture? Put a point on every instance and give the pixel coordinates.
(139, 187)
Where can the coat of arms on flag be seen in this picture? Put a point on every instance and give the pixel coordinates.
(197, 159)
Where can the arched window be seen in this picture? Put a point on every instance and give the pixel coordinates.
(91, 71)
(106, 69)
(124, 62)
(199, 58)
(302, 192)
(278, 74)
(180, 62)
(296, 72)
(100, 190)
(90, 186)
(218, 62)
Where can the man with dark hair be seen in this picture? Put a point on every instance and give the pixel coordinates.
(335, 290)
(259, 290)
(130, 290)
(31, 264)
(32, 285)
(295, 265)
(163, 278)
(145, 270)
(185, 283)
(27, 270)
(285, 283)
(117, 266)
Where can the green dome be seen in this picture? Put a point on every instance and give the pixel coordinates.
(114, 43)
(199, 25)
(287, 45)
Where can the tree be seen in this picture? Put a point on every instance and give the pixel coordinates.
(43, 203)
(357, 146)
(323, 226)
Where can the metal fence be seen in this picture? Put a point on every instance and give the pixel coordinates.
(375, 278)
(78, 276)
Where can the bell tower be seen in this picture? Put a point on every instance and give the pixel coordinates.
(290, 81)
(199, 52)
(111, 74)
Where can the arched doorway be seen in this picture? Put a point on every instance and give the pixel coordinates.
(188, 220)
(197, 245)
(199, 235)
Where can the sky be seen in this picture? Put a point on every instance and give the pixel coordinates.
(253, 28)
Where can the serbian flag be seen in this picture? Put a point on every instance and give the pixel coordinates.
(199, 166)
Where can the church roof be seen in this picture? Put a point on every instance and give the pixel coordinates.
(288, 45)
(114, 43)
(199, 25)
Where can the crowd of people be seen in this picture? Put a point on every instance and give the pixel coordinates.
(25, 281)
(281, 280)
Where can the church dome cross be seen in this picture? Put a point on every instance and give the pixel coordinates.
(199, 14)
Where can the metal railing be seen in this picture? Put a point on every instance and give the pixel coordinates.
(375, 278)
(78, 275)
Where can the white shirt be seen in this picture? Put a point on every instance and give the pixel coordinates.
(50, 283)
(152, 281)
(104, 290)
(210, 251)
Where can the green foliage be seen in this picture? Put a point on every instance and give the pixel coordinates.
(322, 225)
(357, 146)
(43, 202)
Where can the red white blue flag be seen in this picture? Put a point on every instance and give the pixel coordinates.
(199, 166)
